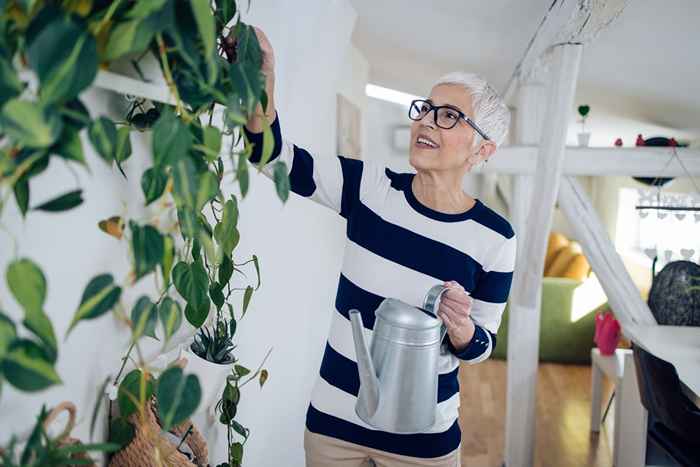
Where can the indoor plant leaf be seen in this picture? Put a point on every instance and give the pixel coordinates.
(281, 180)
(133, 392)
(178, 396)
(225, 232)
(153, 182)
(103, 136)
(247, 295)
(30, 124)
(171, 139)
(64, 202)
(144, 318)
(147, 245)
(100, 295)
(27, 284)
(170, 315)
(26, 367)
(8, 333)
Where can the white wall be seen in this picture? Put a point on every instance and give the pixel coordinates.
(299, 245)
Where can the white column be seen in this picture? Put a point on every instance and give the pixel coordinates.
(526, 295)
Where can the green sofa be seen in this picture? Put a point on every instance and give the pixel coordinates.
(567, 320)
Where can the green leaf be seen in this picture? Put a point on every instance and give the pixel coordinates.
(64, 202)
(248, 81)
(21, 191)
(172, 139)
(205, 24)
(122, 149)
(10, 84)
(121, 431)
(129, 37)
(8, 333)
(217, 296)
(144, 9)
(225, 270)
(225, 10)
(212, 140)
(27, 284)
(26, 367)
(242, 175)
(189, 224)
(268, 144)
(178, 397)
(196, 314)
(153, 183)
(100, 295)
(208, 185)
(225, 232)
(240, 429)
(134, 390)
(192, 189)
(170, 315)
(236, 451)
(147, 245)
(257, 270)
(30, 124)
(64, 55)
(70, 146)
(281, 180)
(247, 295)
(166, 263)
(241, 370)
(192, 282)
(144, 318)
(40, 325)
(103, 135)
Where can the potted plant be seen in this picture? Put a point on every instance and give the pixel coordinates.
(583, 136)
(50, 52)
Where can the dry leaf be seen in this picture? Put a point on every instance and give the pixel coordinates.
(113, 226)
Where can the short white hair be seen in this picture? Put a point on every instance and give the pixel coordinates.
(491, 113)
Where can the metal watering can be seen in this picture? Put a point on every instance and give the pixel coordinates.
(399, 375)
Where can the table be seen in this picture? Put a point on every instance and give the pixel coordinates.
(630, 417)
(678, 345)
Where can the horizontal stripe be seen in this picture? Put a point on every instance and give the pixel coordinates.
(349, 297)
(487, 314)
(342, 373)
(333, 401)
(301, 176)
(424, 445)
(478, 349)
(493, 287)
(410, 249)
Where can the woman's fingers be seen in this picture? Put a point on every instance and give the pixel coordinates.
(457, 314)
(457, 295)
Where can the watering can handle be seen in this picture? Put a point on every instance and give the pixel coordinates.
(431, 303)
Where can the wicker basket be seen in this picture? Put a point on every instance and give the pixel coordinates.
(64, 438)
(149, 448)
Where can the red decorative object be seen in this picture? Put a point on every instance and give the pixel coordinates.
(618, 142)
(673, 142)
(607, 332)
(640, 140)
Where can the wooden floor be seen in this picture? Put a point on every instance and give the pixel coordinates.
(562, 435)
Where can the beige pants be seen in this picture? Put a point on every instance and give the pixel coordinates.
(324, 451)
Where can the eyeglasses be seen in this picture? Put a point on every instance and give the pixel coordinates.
(445, 116)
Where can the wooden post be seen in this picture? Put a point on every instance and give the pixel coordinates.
(623, 295)
(524, 318)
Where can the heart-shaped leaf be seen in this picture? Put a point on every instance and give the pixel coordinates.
(8, 333)
(170, 315)
(583, 110)
(113, 226)
(226, 232)
(26, 367)
(100, 295)
(153, 182)
(134, 391)
(27, 284)
(178, 397)
(103, 135)
(144, 318)
(171, 139)
(147, 245)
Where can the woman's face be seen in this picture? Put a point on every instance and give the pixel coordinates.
(454, 146)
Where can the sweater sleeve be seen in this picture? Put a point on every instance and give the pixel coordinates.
(331, 181)
(489, 301)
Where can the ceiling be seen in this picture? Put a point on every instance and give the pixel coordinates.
(645, 66)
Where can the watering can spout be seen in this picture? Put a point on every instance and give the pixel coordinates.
(369, 383)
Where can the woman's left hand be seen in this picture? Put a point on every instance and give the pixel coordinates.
(454, 310)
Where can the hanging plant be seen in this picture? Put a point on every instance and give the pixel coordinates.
(51, 52)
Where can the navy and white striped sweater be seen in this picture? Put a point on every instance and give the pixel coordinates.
(396, 247)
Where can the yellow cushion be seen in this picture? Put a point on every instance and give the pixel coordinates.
(561, 261)
(578, 268)
(556, 242)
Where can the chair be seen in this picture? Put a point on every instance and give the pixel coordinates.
(674, 421)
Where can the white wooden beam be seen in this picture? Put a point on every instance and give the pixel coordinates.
(526, 294)
(126, 85)
(633, 161)
(622, 293)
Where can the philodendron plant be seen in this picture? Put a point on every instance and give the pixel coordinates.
(50, 52)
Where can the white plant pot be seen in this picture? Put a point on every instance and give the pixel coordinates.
(212, 378)
(583, 139)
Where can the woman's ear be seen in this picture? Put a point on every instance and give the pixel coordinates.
(486, 148)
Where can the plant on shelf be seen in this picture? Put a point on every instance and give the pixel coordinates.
(584, 136)
(52, 51)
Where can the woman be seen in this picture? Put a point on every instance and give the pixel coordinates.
(405, 232)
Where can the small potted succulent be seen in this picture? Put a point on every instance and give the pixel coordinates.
(584, 136)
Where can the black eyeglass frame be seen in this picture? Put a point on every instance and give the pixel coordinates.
(436, 108)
